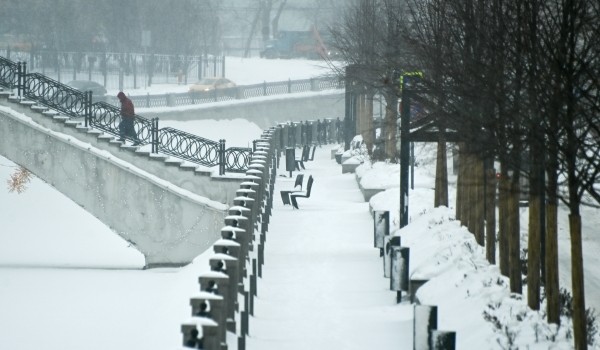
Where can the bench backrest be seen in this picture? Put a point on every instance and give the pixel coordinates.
(299, 179)
(309, 186)
(312, 154)
(305, 152)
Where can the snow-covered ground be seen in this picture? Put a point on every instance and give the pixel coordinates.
(67, 281)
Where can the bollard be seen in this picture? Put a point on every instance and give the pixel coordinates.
(217, 283)
(201, 333)
(245, 318)
(381, 228)
(261, 258)
(238, 235)
(253, 282)
(404, 270)
(290, 160)
(424, 321)
(228, 265)
(415, 284)
(443, 340)
(206, 304)
(241, 222)
(389, 241)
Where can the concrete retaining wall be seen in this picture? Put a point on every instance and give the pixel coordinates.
(264, 112)
(167, 224)
(200, 180)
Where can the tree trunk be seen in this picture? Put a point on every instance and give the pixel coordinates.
(471, 192)
(441, 175)
(460, 182)
(490, 216)
(479, 205)
(534, 244)
(579, 318)
(514, 239)
(251, 33)
(503, 219)
(391, 120)
(552, 283)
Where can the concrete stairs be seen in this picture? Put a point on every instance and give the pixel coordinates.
(195, 178)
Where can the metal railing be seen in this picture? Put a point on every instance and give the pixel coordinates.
(106, 117)
(235, 93)
(119, 70)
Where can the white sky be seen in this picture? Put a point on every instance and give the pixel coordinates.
(67, 281)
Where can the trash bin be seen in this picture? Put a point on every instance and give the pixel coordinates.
(290, 159)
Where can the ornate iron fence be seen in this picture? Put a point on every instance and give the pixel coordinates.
(107, 117)
(8, 73)
(55, 95)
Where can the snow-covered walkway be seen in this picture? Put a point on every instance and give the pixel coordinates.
(322, 284)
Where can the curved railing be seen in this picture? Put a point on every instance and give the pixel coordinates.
(189, 147)
(8, 73)
(51, 93)
(107, 117)
(237, 159)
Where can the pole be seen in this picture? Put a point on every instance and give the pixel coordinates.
(404, 153)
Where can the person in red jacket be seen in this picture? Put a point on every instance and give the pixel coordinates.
(126, 128)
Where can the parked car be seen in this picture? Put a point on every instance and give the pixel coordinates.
(209, 84)
(98, 91)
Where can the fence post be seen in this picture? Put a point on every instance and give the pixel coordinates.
(289, 86)
(19, 77)
(221, 157)
(154, 133)
(88, 108)
(24, 76)
(264, 88)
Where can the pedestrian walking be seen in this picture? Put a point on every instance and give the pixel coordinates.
(126, 126)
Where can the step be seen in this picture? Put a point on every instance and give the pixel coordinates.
(83, 128)
(203, 171)
(173, 162)
(39, 108)
(188, 167)
(143, 153)
(60, 118)
(159, 157)
(50, 113)
(5, 94)
(105, 137)
(128, 147)
(114, 141)
(72, 123)
(94, 132)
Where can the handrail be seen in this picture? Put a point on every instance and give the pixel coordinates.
(8, 73)
(53, 94)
